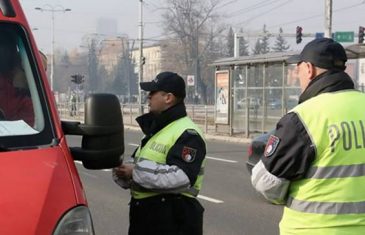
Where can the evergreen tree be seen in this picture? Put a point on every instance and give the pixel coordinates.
(262, 44)
(119, 84)
(61, 64)
(65, 60)
(243, 45)
(93, 67)
(230, 42)
(257, 49)
(280, 43)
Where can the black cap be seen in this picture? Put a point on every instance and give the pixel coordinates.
(168, 82)
(323, 53)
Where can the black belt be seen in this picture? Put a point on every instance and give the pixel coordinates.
(158, 198)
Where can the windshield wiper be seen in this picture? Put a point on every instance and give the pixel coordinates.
(6, 149)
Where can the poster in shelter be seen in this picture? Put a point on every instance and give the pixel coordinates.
(222, 96)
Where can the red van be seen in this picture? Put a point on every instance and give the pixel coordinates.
(41, 192)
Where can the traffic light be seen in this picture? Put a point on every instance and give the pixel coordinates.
(77, 78)
(143, 61)
(299, 34)
(361, 34)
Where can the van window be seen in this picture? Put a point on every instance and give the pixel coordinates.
(23, 109)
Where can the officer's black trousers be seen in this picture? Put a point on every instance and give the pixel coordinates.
(166, 214)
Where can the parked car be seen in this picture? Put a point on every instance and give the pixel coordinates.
(277, 104)
(254, 103)
(256, 150)
(274, 104)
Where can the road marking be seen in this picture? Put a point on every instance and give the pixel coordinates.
(209, 199)
(221, 159)
(132, 144)
(88, 174)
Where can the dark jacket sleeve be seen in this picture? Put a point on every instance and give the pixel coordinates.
(189, 143)
(295, 151)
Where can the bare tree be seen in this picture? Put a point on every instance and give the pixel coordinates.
(193, 24)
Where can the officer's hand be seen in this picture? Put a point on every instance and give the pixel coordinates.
(124, 171)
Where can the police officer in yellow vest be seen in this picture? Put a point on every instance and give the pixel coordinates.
(314, 163)
(168, 166)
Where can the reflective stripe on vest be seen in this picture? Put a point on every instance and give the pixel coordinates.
(331, 194)
(336, 171)
(327, 207)
(162, 142)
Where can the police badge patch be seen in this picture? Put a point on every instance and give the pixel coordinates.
(271, 145)
(188, 154)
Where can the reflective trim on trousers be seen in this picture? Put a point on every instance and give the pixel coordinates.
(326, 207)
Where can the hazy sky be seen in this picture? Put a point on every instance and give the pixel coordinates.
(250, 15)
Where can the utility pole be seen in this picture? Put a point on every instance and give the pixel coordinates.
(141, 60)
(236, 50)
(328, 19)
(197, 65)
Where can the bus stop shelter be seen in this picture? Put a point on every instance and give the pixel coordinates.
(253, 92)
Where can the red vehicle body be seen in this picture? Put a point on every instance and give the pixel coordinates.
(41, 191)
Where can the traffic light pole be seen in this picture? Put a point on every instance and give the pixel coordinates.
(361, 34)
(299, 34)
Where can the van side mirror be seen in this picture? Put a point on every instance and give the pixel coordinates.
(102, 133)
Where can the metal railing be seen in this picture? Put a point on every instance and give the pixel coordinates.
(202, 115)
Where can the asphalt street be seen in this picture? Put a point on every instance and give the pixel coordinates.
(231, 204)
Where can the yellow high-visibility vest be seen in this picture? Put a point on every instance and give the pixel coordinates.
(331, 198)
(157, 148)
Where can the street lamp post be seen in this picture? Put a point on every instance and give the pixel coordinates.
(52, 9)
(141, 60)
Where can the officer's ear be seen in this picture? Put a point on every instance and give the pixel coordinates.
(170, 98)
(318, 71)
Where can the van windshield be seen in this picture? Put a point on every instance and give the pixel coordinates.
(22, 112)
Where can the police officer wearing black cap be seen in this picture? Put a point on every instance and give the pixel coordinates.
(168, 168)
(314, 163)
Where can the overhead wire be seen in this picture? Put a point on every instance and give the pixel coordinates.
(228, 3)
(315, 16)
(147, 3)
(251, 8)
(262, 13)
